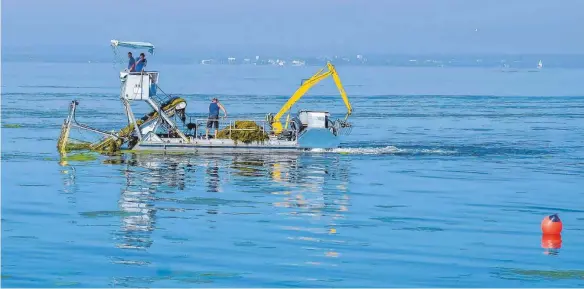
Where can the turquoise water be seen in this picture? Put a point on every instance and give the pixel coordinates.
(443, 182)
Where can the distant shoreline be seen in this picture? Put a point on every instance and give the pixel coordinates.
(102, 54)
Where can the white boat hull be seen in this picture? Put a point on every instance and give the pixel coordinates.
(224, 145)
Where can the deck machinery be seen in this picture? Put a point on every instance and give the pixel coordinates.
(168, 128)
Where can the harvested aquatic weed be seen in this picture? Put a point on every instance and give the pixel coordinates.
(77, 146)
(245, 131)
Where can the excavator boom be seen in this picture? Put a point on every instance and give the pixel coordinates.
(341, 89)
(307, 85)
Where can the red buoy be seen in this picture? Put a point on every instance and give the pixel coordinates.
(551, 225)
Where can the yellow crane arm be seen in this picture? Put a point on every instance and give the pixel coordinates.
(306, 85)
(341, 89)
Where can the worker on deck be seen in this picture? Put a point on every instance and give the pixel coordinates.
(213, 120)
(131, 62)
(141, 63)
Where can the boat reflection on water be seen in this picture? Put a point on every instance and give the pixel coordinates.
(146, 176)
(302, 196)
(212, 175)
(315, 191)
(138, 219)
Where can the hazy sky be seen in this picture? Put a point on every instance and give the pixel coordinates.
(322, 26)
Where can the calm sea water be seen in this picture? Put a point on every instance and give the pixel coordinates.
(443, 182)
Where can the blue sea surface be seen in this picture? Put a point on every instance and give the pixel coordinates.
(443, 182)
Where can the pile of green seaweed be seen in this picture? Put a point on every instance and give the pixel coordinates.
(244, 131)
(111, 145)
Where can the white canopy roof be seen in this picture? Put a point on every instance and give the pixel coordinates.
(135, 45)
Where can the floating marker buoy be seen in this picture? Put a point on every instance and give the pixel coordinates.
(551, 225)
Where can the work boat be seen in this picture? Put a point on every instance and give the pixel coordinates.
(168, 127)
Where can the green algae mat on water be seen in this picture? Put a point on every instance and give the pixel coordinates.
(80, 157)
(559, 274)
(244, 131)
(11, 125)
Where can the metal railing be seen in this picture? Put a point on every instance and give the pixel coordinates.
(201, 124)
(338, 127)
(201, 127)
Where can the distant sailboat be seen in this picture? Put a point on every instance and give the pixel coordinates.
(539, 65)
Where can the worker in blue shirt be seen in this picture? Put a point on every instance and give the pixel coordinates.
(141, 63)
(131, 62)
(213, 120)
